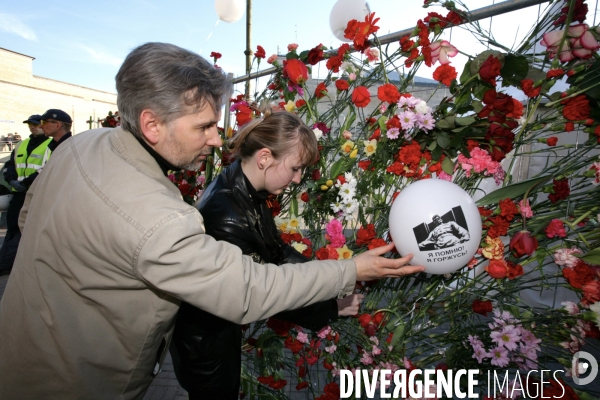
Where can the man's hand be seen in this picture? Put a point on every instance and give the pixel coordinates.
(369, 265)
(17, 186)
(349, 305)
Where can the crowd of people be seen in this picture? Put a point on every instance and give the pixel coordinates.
(112, 261)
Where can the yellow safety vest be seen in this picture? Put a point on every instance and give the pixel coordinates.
(27, 164)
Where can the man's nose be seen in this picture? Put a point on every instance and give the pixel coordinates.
(214, 138)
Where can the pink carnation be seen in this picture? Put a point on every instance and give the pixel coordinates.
(525, 209)
(566, 258)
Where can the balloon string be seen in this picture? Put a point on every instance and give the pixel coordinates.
(209, 36)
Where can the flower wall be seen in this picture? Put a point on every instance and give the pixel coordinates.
(530, 297)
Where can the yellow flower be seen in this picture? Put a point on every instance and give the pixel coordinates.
(294, 223)
(329, 183)
(348, 146)
(324, 187)
(290, 106)
(229, 133)
(494, 249)
(354, 153)
(370, 146)
(300, 247)
(344, 252)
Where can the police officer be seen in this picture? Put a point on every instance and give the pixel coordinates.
(27, 158)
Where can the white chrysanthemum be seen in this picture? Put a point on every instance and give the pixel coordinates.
(347, 191)
(349, 207)
(422, 108)
(350, 179)
(337, 206)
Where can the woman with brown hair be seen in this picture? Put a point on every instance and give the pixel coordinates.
(271, 153)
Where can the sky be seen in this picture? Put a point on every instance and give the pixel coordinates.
(85, 42)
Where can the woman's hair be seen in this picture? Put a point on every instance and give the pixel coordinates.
(169, 80)
(277, 131)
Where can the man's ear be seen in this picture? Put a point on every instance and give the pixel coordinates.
(150, 126)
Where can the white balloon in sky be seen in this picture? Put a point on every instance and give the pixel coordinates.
(438, 222)
(230, 10)
(344, 11)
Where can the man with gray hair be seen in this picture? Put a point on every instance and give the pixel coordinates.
(112, 249)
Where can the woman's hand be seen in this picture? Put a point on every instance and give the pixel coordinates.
(370, 265)
(349, 305)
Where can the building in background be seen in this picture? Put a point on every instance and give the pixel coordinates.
(23, 94)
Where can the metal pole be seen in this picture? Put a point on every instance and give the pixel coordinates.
(248, 51)
(481, 13)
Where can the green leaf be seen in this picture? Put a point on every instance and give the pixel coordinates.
(477, 106)
(466, 74)
(337, 168)
(432, 146)
(398, 334)
(448, 165)
(514, 70)
(535, 74)
(294, 206)
(349, 120)
(443, 140)
(591, 257)
(511, 191)
(464, 121)
(443, 124)
(436, 154)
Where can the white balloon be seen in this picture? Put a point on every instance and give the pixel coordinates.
(230, 10)
(344, 11)
(438, 222)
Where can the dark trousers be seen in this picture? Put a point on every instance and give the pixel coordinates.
(206, 353)
(10, 246)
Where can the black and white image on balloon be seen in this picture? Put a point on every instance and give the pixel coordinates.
(442, 231)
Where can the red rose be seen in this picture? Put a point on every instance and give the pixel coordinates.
(551, 141)
(361, 96)
(320, 90)
(388, 92)
(341, 84)
(523, 243)
(445, 74)
(260, 52)
(490, 69)
(296, 71)
(316, 174)
(482, 307)
(304, 197)
(528, 89)
(497, 269)
(561, 190)
(315, 55)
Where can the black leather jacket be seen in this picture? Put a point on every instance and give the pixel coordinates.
(233, 211)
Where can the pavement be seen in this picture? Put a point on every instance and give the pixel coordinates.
(164, 386)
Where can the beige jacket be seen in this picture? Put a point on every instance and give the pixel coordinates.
(108, 251)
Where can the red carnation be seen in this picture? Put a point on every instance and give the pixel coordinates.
(260, 52)
(556, 228)
(445, 74)
(320, 90)
(482, 307)
(281, 328)
(361, 96)
(365, 235)
(497, 269)
(315, 55)
(561, 190)
(304, 197)
(579, 275)
(528, 89)
(388, 92)
(523, 243)
(341, 84)
(551, 141)
(375, 243)
(577, 108)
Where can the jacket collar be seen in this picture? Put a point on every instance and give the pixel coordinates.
(127, 146)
